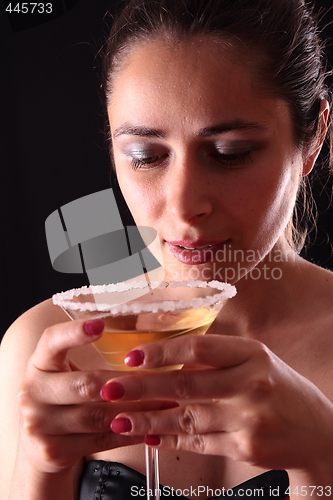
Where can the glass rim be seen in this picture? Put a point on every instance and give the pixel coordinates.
(64, 299)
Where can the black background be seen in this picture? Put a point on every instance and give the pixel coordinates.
(52, 147)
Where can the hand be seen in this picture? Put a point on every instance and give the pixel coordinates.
(63, 414)
(252, 406)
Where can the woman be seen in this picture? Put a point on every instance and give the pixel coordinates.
(217, 113)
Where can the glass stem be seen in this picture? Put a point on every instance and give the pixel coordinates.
(152, 473)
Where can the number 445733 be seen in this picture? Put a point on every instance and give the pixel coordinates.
(304, 491)
(29, 8)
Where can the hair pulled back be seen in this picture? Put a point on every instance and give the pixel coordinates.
(280, 37)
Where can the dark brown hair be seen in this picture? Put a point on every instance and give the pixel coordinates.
(280, 35)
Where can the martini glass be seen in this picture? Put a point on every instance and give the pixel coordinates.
(140, 312)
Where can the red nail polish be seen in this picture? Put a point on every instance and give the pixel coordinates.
(135, 358)
(153, 440)
(112, 391)
(121, 424)
(93, 326)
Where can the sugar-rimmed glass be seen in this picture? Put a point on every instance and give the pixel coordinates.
(140, 312)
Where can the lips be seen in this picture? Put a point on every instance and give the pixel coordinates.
(195, 252)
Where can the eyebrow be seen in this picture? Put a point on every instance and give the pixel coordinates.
(141, 131)
(229, 127)
(223, 128)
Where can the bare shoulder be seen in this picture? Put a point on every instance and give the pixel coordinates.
(318, 290)
(315, 285)
(20, 340)
(38, 318)
(311, 347)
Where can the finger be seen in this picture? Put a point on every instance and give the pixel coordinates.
(205, 444)
(56, 340)
(189, 419)
(69, 388)
(65, 388)
(216, 351)
(235, 445)
(182, 385)
(80, 419)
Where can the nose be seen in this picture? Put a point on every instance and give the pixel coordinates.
(189, 192)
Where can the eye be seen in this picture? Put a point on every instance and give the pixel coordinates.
(143, 161)
(232, 159)
(231, 155)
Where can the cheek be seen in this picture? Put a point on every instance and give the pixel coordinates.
(263, 199)
(276, 200)
(141, 200)
(285, 189)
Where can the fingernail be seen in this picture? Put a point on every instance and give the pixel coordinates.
(167, 405)
(135, 358)
(121, 424)
(153, 440)
(93, 327)
(112, 391)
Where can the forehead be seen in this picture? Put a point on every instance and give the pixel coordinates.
(194, 84)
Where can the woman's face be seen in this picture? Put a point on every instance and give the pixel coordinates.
(203, 157)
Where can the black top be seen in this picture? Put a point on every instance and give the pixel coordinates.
(113, 481)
